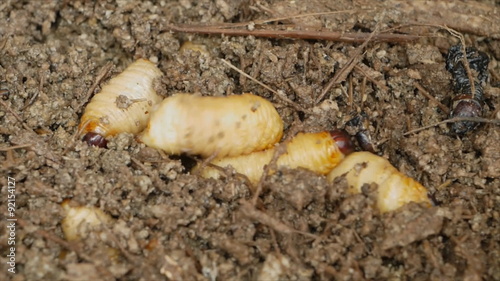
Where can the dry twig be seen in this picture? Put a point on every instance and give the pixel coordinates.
(426, 94)
(464, 59)
(156, 179)
(18, 118)
(280, 150)
(249, 210)
(278, 94)
(453, 120)
(341, 75)
(16, 147)
(102, 74)
(339, 36)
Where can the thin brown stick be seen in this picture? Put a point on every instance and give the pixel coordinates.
(249, 211)
(377, 83)
(327, 269)
(224, 170)
(276, 19)
(16, 147)
(465, 16)
(339, 36)
(205, 162)
(10, 160)
(280, 150)
(278, 94)
(364, 96)
(453, 120)
(275, 242)
(350, 91)
(464, 59)
(102, 74)
(18, 118)
(494, 75)
(156, 179)
(76, 134)
(4, 41)
(55, 238)
(35, 96)
(426, 94)
(347, 68)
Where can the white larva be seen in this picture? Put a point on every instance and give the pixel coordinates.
(78, 219)
(317, 152)
(123, 105)
(394, 188)
(207, 126)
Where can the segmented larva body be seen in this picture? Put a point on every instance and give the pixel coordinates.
(207, 126)
(80, 221)
(394, 188)
(123, 105)
(318, 152)
(81, 217)
(191, 46)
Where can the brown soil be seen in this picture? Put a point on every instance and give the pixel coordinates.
(170, 224)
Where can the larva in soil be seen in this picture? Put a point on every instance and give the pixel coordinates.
(80, 221)
(189, 46)
(123, 105)
(80, 218)
(213, 126)
(394, 188)
(318, 152)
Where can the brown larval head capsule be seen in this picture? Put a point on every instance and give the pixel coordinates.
(343, 141)
(95, 139)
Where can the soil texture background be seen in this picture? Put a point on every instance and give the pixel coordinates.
(170, 224)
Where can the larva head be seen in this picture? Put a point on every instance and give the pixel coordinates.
(95, 139)
(343, 141)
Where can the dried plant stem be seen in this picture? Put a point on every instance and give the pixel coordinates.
(279, 95)
(280, 150)
(453, 120)
(249, 211)
(276, 19)
(295, 34)
(18, 118)
(464, 59)
(102, 74)
(426, 94)
(341, 75)
(16, 147)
